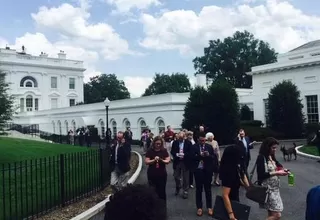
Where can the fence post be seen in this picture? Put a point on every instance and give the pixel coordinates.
(107, 164)
(102, 181)
(62, 181)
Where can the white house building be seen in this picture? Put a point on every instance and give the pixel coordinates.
(301, 66)
(40, 82)
(57, 84)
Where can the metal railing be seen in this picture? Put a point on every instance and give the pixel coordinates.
(32, 188)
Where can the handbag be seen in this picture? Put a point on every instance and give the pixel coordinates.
(240, 211)
(256, 192)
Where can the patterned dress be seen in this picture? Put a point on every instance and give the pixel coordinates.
(274, 202)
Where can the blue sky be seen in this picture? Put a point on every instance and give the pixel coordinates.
(136, 38)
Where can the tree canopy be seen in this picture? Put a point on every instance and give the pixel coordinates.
(233, 57)
(285, 110)
(195, 111)
(102, 86)
(223, 115)
(165, 83)
(6, 102)
(217, 108)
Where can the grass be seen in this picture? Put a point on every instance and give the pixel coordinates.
(14, 150)
(33, 175)
(310, 150)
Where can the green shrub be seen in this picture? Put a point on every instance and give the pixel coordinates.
(311, 128)
(259, 133)
(285, 112)
(245, 113)
(253, 123)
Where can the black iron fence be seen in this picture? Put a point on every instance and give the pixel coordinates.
(32, 129)
(94, 140)
(32, 188)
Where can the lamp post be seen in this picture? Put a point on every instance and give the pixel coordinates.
(106, 104)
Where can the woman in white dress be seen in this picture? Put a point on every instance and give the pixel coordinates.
(269, 170)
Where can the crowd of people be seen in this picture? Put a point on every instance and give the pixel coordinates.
(196, 157)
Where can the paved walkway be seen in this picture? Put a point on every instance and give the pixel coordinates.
(307, 175)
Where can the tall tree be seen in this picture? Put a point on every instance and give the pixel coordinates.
(233, 57)
(102, 86)
(6, 102)
(195, 110)
(164, 83)
(223, 111)
(285, 113)
(217, 108)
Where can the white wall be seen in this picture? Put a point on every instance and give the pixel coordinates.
(307, 80)
(166, 107)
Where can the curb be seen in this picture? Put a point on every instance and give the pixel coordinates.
(306, 155)
(285, 140)
(260, 142)
(100, 206)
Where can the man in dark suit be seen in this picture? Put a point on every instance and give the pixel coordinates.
(128, 136)
(248, 145)
(180, 152)
(203, 158)
(199, 132)
(119, 162)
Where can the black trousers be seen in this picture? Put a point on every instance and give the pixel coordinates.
(191, 176)
(159, 183)
(203, 180)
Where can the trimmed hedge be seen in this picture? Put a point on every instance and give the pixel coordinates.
(259, 133)
(253, 123)
(310, 128)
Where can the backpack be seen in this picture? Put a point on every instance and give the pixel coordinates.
(313, 204)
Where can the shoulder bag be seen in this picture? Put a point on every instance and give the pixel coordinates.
(256, 192)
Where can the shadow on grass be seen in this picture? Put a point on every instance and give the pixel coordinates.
(35, 187)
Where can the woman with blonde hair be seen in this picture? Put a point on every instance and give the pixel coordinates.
(157, 157)
(216, 149)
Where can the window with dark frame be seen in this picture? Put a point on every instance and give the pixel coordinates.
(72, 83)
(54, 82)
(72, 102)
(312, 109)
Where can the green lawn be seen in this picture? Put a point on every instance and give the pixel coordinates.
(14, 150)
(310, 150)
(33, 174)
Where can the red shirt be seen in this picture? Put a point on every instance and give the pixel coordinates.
(153, 169)
(168, 136)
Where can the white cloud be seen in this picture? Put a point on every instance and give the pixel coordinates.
(137, 85)
(72, 23)
(3, 42)
(275, 21)
(125, 6)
